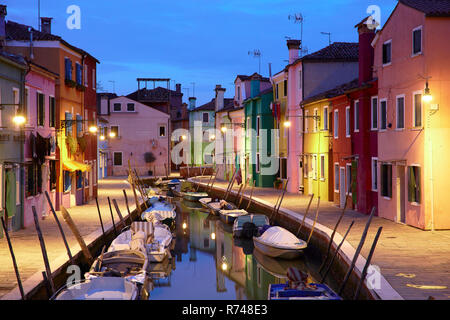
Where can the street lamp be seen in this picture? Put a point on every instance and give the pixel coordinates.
(427, 97)
(93, 129)
(112, 134)
(19, 119)
(102, 138)
(224, 129)
(287, 123)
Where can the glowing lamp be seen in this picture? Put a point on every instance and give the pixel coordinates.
(93, 129)
(287, 124)
(184, 225)
(102, 137)
(212, 138)
(19, 119)
(183, 137)
(427, 97)
(213, 236)
(224, 266)
(112, 134)
(224, 129)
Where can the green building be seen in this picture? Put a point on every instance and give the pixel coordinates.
(260, 160)
(12, 90)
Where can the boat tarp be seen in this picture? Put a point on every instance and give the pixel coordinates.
(279, 236)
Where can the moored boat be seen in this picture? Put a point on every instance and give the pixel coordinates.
(159, 211)
(277, 242)
(228, 216)
(249, 225)
(194, 196)
(215, 206)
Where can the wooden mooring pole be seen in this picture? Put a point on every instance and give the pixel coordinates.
(281, 200)
(112, 217)
(126, 203)
(358, 250)
(306, 213)
(13, 258)
(122, 221)
(315, 221)
(59, 225)
(100, 217)
(43, 249)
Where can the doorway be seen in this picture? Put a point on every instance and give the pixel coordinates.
(401, 210)
(342, 187)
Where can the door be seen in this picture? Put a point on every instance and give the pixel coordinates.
(310, 175)
(401, 210)
(12, 217)
(300, 174)
(342, 187)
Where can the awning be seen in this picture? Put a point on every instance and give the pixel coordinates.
(72, 165)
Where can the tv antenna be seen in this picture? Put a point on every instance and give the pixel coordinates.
(187, 92)
(114, 85)
(298, 18)
(256, 54)
(329, 36)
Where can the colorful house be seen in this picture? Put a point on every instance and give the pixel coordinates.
(413, 71)
(40, 141)
(260, 155)
(12, 96)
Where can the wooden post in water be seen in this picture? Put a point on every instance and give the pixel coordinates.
(214, 180)
(198, 184)
(239, 191)
(112, 217)
(243, 192)
(154, 170)
(77, 234)
(315, 220)
(334, 232)
(100, 217)
(336, 252)
(251, 195)
(128, 208)
(43, 249)
(304, 216)
(59, 225)
(231, 188)
(366, 266)
(13, 257)
(281, 200)
(358, 250)
(167, 170)
(122, 221)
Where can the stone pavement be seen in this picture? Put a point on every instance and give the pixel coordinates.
(416, 263)
(25, 242)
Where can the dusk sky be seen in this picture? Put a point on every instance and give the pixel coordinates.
(201, 41)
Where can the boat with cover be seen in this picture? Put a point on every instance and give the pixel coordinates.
(159, 211)
(249, 225)
(194, 196)
(228, 216)
(102, 288)
(299, 288)
(277, 242)
(215, 206)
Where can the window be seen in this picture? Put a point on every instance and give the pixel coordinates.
(349, 178)
(336, 124)
(356, 116)
(117, 159)
(16, 100)
(401, 112)
(86, 76)
(130, 107)
(314, 166)
(417, 41)
(117, 107)
(115, 129)
(79, 176)
(258, 125)
(417, 114)
(276, 91)
(386, 180)
(325, 118)
(205, 117)
(162, 131)
(336, 177)
(306, 120)
(322, 167)
(248, 127)
(300, 79)
(52, 112)
(67, 181)
(239, 93)
(374, 174)
(68, 118)
(258, 163)
(52, 169)
(94, 83)
(316, 127)
(68, 69)
(79, 73)
(283, 168)
(305, 167)
(26, 103)
(414, 184)
(79, 119)
(285, 85)
(40, 108)
(374, 113)
(387, 56)
(383, 115)
(33, 178)
(347, 122)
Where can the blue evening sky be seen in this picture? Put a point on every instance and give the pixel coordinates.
(201, 41)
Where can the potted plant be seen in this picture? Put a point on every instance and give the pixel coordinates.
(80, 87)
(149, 158)
(277, 184)
(70, 83)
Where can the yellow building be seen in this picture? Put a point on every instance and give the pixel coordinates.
(279, 82)
(317, 149)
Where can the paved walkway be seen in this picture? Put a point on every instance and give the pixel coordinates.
(416, 263)
(26, 244)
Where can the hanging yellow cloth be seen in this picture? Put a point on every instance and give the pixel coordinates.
(68, 164)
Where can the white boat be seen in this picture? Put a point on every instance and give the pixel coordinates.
(228, 216)
(205, 201)
(277, 242)
(159, 211)
(256, 220)
(158, 249)
(104, 288)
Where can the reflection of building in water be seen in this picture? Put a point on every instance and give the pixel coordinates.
(201, 229)
(182, 235)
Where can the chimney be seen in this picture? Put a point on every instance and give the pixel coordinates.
(220, 93)
(293, 47)
(192, 101)
(255, 85)
(46, 25)
(366, 51)
(2, 24)
(178, 87)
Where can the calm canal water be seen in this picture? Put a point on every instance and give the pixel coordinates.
(208, 264)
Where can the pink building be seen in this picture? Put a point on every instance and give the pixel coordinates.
(141, 136)
(40, 142)
(411, 54)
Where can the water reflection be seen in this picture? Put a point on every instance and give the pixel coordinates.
(209, 264)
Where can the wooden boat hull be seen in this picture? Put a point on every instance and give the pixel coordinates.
(276, 252)
(194, 197)
(281, 292)
(238, 230)
(228, 218)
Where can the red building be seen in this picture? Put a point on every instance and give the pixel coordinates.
(90, 110)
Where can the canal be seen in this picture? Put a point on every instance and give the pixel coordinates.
(208, 264)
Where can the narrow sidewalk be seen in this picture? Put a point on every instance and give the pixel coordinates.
(416, 263)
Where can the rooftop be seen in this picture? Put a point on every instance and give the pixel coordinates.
(337, 91)
(431, 8)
